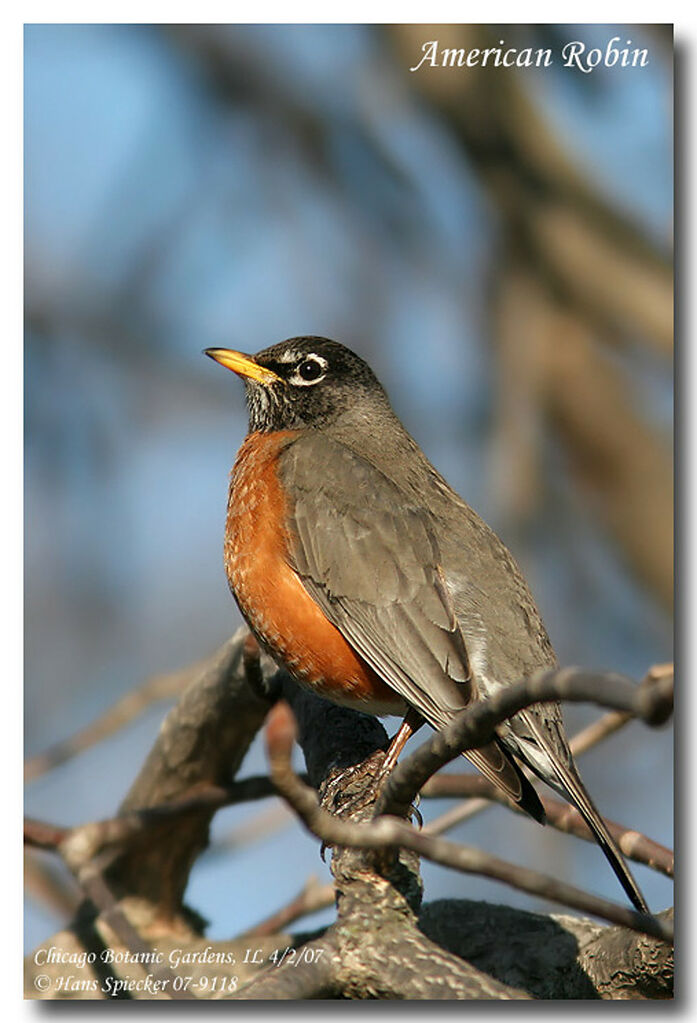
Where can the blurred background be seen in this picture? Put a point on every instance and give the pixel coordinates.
(496, 244)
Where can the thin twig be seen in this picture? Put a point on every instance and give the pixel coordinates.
(158, 687)
(480, 793)
(458, 814)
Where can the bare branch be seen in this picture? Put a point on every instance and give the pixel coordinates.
(610, 723)
(480, 793)
(459, 814)
(375, 948)
(202, 743)
(397, 962)
(626, 965)
(551, 956)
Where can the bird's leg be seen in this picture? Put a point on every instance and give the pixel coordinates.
(411, 724)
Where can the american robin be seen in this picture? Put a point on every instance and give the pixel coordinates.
(358, 567)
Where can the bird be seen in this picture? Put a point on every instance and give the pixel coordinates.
(364, 574)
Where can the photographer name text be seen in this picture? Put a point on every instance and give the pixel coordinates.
(203, 973)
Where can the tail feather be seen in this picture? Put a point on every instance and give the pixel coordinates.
(584, 804)
(566, 779)
(499, 767)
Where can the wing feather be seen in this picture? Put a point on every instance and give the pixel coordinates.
(368, 556)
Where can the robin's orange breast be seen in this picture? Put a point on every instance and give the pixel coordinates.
(271, 596)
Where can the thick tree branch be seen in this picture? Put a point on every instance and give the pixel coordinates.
(623, 965)
(315, 977)
(551, 957)
(202, 742)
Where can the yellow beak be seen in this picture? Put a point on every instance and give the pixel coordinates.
(242, 364)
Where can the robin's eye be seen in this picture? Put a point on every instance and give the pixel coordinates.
(309, 371)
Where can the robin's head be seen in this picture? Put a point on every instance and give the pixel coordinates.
(305, 381)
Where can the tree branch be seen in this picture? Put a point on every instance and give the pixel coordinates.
(314, 977)
(386, 833)
(202, 742)
(375, 948)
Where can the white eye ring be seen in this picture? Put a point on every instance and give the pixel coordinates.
(309, 361)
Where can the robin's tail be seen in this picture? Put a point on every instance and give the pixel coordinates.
(556, 767)
(577, 794)
(499, 767)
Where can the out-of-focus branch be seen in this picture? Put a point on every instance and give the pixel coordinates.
(88, 871)
(624, 467)
(200, 746)
(47, 884)
(111, 916)
(159, 687)
(615, 455)
(312, 897)
(146, 852)
(457, 814)
(41, 835)
(201, 743)
(591, 278)
(613, 289)
(581, 244)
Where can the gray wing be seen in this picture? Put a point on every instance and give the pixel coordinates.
(368, 556)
